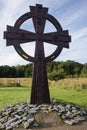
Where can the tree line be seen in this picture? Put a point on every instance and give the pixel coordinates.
(55, 70)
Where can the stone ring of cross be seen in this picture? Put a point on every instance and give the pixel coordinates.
(16, 36)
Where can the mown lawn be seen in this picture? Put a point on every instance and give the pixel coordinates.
(71, 96)
(12, 95)
(68, 90)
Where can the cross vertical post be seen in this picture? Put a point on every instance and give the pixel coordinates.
(40, 91)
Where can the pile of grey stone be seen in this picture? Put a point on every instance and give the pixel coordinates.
(22, 114)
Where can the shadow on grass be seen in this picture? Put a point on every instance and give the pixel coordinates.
(65, 103)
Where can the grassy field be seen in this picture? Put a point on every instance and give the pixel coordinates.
(66, 90)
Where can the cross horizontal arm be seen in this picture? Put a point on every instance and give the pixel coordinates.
(14, 36)
(57, 38)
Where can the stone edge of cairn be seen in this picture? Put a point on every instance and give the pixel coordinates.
(22, 114)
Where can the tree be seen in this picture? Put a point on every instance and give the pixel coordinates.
(20, 71)
(77, 68)
(69, 68)
(28, 70)
(57, 69)
(6, 71)
(13, 71)
(56, 76)
(1, 72)
(84, 71)
(50, 66)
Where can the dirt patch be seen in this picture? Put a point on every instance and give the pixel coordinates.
(82, 126)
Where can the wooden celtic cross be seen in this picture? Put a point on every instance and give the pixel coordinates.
(16, 36)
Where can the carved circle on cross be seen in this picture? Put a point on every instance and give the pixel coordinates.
(16, 36)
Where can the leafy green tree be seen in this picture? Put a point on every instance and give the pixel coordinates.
(28, 70)
(84, 71)
(60, 67)
(50, 66)
(69, 68)
(1, 72)
(56, 76)
(55, 70)
(20, 71)
(13, 71)
(77, 68)
(6, 71)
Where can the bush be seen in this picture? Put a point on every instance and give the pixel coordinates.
(56, 76)
(84, 86)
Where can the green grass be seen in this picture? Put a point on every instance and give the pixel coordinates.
(72, 96)
(12, 95)
(68, 90)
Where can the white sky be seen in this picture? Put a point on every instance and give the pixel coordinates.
(71, 14)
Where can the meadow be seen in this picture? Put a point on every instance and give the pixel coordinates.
(72, 90)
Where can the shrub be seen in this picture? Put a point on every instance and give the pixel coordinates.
(56, 76)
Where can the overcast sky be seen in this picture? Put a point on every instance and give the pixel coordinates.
(71, 14)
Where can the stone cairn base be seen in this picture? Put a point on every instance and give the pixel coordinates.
(23, 114)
